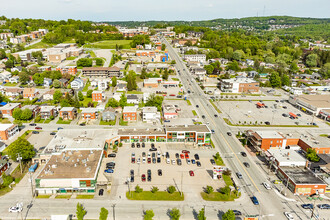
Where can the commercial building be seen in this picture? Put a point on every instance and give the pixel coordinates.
(152, 82)
(70, 171)
(7, 110)
(286, 158)
(145, 53)
(101, 71)
(239, 85)
(130, 113)
(195, 57)
(150, 114)
(60, 52)
(7, 131)
(170, 112)
(312, 104)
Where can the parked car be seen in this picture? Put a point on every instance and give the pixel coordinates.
(153, 149)
(179, 162)
(158, 159)
(16, 208)
(216, 115)
(101, 192)
(255, 200)
(173, 162)
(197, 106)
(168, 161)
(160, 172)
(212, 161)
(243, 154)
(143, 145)
(185, 151)
(149, 160)
(198, 163)
(212, 131)
(323, 206)
(177, 156)
(38, 128)
(111, 155)
(196, 157)
(267, 122)
(133, 160)
(193, 161)
(82, 124)
(59, 128)
(203, 116)
(143, 177)
(246, 164)
(35, 132)
(181, 156)
(167, 155)
(186, 156)
(266, 185)
(191, 173)
(188, 161)
(288, 215)
(152, 145)
(132, 145)
(108, 170)
(236, 212)
(138, 145)
(229, 133)
(307, 206)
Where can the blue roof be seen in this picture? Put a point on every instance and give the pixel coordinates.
(3, 103)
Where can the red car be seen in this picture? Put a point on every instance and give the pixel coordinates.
(186, 156)
(143, 177)
(38, 128)
(186, 152)
(181, 155)
(191, 173)
(133, 160)
(149, 160)
(172, 95)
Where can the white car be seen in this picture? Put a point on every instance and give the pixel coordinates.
(15, 209)
(138, 160)
(266, 185)
(173, 162)
(168, 161)
(288, 215)
(143, 160)
(158, 154)
(188, 161)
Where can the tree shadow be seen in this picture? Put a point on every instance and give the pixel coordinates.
(210, 172)
(195, 214)
(220, 213)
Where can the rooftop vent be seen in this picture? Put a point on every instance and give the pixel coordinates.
(75, 165)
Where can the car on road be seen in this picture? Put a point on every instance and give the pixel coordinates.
(82, 124)
(285, 107)
(266, 185)
(198, 163)
(152, 145)
(16, 208)
(167, 155)
(236, 212)
(246, 164)
(323, 206)
(216, 115)
(108, 170)
(38, 128)
(299, 115)
(196, 156)
(288, 215)
(285, 115)
(167, 120)
(160, 172)
(212, 161)
(52, 133)
(267, 122)
(191, 173)
(197, 106)
(239, 175)
(255, 200)
(229, 133)
(59, 128)
(101, 192)
(143, 145)
(243, 154)
(35, 132)
(33, 124)
(307, 206)
(131, 172)
(143, 177)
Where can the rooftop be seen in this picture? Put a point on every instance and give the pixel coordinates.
(9, 106)
(149, 109)
(46, 108)
(129, 109)
(67, 109)
(197, 128)
(113, 68)
(134, 131)
(269, 134)
(4, 127)
(286, 155)
(319, 101)
(72, 164)
(88, 110)
(301, 175)
(239, 80)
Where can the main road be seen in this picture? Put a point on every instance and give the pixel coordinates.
(271, 205)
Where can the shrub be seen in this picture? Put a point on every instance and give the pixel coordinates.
(171, 189)
(209, 189)
(138, 189)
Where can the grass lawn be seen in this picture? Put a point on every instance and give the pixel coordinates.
(216, 108)
(85, 197)
(188, 102)
(328, 123)
(92, 53)
(219, 161)
(134, 92)
(198, 123)
(85, 89)
(123, 123)
(109, 44)
(39, 46)
(63, 197)
(194, 112)
(10, 84)
(43, 196)
(107, 122)
(4, 121)
(217, 196)
(47, 121)
(86, 101)
(175, 79)
(160, 196)
(63, 122)
(227, 180)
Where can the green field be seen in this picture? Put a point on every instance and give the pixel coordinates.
(39, 46)
(84, 196)
(217, 196)
(160, 196)
(109, 44)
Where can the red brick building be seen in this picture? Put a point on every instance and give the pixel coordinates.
(68, 113)
(98, 96)
(7, 131)
(130, 113)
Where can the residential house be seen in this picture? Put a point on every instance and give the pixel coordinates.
(68, 113)
(63, 82)
(89, 113)
(102, 84)
(150, 114)
(14, 79)
(170, 112)
(77, 84)
(98, 96)
(130, 113)
(108, 115)
(4, 165)
(117, 96)
(121, 86)
(48, 82)
(49, 95)
(146, 96)
(30, 93)
(2, 146)
(35, 109)
(132, 99)
(16, 68)
(13, 92)
(7, 131)
(7, 110)
(47, 111)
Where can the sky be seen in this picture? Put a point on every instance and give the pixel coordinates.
(169, 10)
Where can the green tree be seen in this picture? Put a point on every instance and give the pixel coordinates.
(81, 212)
(131, 81)
(56, 83)
(285, 80)
(80, 96)
(17, 113)
(140, 40)
(24, 78)
(7, 179)
(156, 101)
(112, 103)
(57, 96)
(233, 66)
(165, 75)
(98, 62)
(138, 189)
(201, 215)
(89, 93)
(103, 214)
(38, 79)
(238, 55)
(209, 189)
(21, 146)
(148, 215)
(173, 62)
(114, 81)
(154, 189)
(311, 60)
(26, 114)
(2, 54)
(312, 156)
(143, 73)
(175, 214)
(9, 64)
(85, 62)
(229, 215)
(225, 190)
(123, 100)
(275, 80)
(209, 69)
(163, 47)
(171, 189)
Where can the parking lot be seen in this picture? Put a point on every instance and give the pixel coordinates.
(276, 113)
(185, 114)
(41, 139)
(171, 173)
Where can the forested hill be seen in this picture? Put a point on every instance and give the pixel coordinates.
(255, 22)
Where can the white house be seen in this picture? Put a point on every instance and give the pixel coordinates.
(117, 96)
(102, 84)
(296, 91)
(48, 82)
(14, 79)
(146, 97)
(77, 83)
(132, 99)
(150, 114)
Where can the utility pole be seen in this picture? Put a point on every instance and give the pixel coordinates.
(31, 180)
(181, 182)
(113, 210)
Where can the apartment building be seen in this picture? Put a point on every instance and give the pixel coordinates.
(8, 109)
(101, 71)
(7, 131)
(150, 114)
(98, 96)
(30, 93)
(68, 113)
(47, 111)
(89, 113)
(72, 70)
(195, 57)
(239, 85)
(130, 113)
(145, 53)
